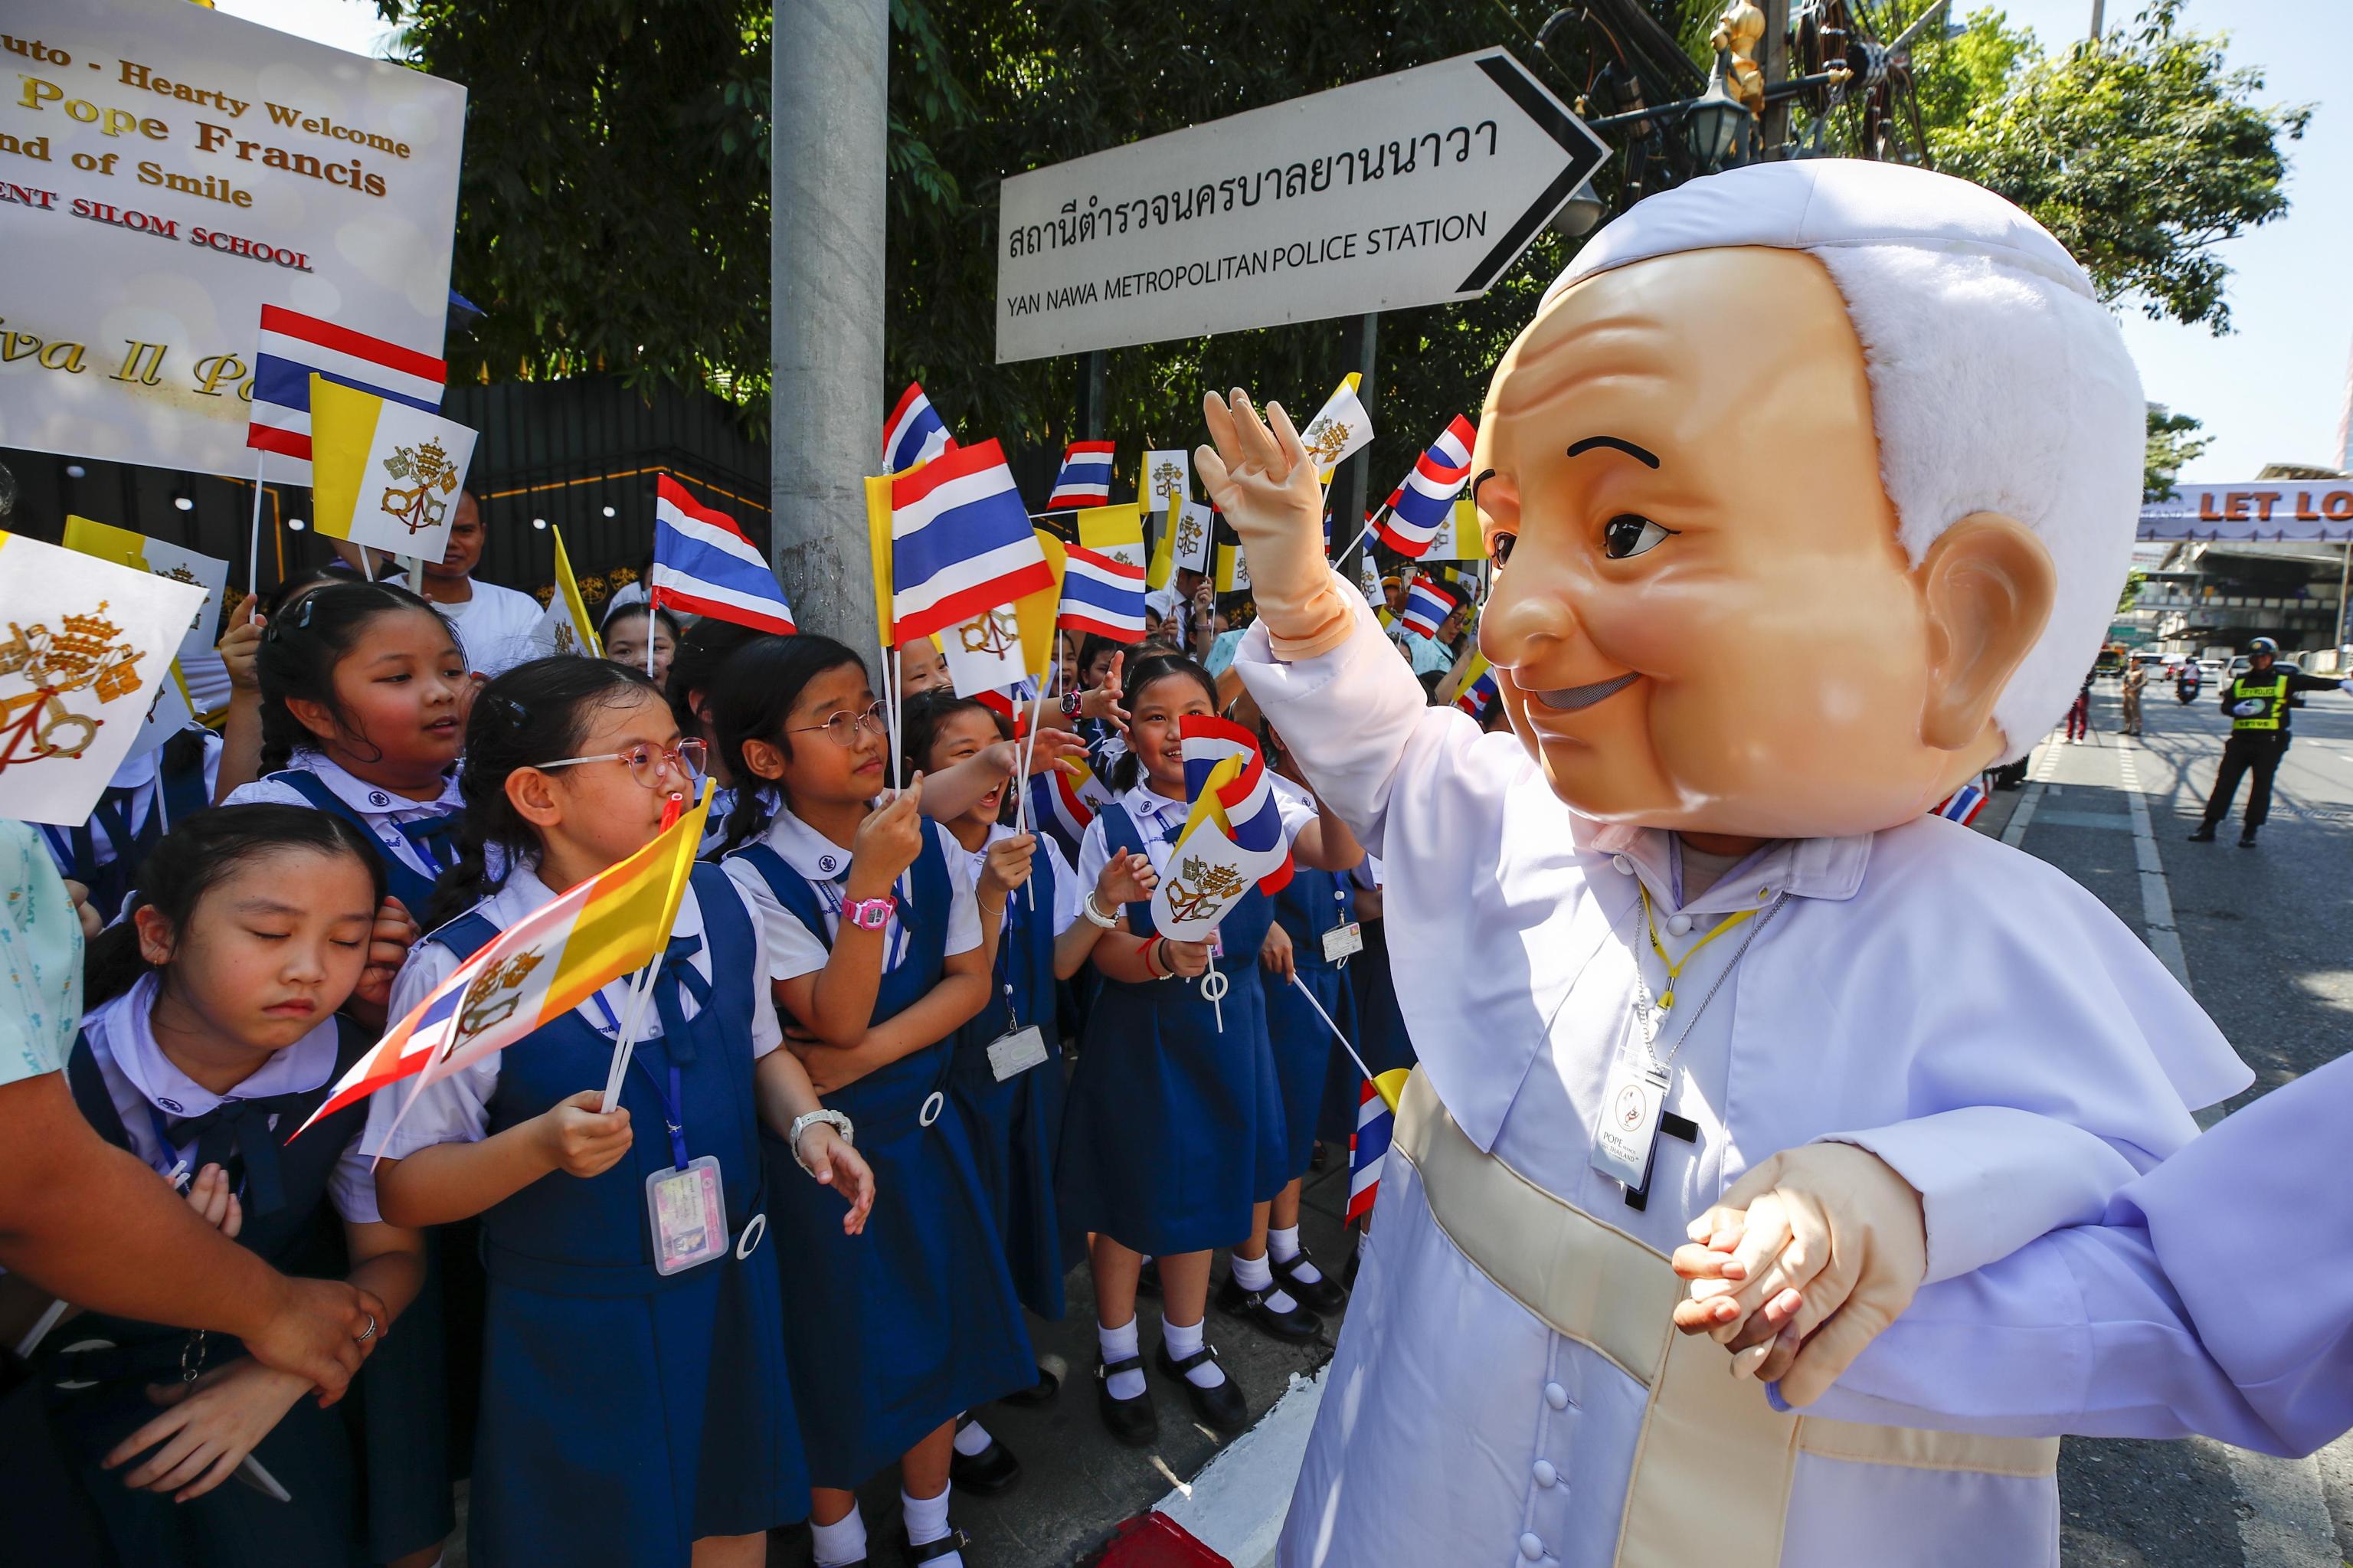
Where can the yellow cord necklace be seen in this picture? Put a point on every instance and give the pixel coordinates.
(1676, 965)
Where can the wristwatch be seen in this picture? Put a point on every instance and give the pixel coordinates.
(1070, 701)
(867, 914)
(806, 1120)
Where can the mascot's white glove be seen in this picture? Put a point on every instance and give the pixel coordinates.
(2247, 709)
(1802, 1262)
(1266, 485)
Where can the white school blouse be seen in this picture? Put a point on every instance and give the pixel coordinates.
(457, 1108)
(383, 811)
(1959, 1008)
(1068, 894)
(792, 950)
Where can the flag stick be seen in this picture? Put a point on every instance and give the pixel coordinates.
(891, 708)
(1029, 748)
(1335, 1028)
(624, 1042)
(1362, 535)
(253, 549)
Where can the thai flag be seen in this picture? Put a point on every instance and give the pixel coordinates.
(1477, 694)
(1367, 1147)
(914, 432)
(1059, 802)
(1205, 741)
(1102, 596)
(1428, 603)
(961, 542)
(1962, 805)
(1085, 480)
(293, 348)
(1253, 819)
(1012, 705)
(704, 566)
(1419, 506)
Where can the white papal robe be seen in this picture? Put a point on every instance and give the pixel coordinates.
(1961, 1009)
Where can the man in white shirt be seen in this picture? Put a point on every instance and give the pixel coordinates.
(494, 624)
(1694, 910)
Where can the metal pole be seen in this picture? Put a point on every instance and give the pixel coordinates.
(828, 213)
(1093, 368)
(2344, 576)
(2098, 7)
(1359, 345)
(1773, 52)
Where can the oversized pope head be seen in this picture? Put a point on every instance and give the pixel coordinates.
(1813, 487)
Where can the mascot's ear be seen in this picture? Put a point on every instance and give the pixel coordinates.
(1987, 585)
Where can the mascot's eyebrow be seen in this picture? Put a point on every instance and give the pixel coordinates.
(1628, 448)
(1484, 475)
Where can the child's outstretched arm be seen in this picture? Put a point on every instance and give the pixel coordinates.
(445, 1181)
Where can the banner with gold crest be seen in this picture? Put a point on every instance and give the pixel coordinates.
(85, 646)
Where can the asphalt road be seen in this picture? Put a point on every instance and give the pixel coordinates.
(2268, 946)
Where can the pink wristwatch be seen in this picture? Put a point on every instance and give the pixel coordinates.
(867, 914)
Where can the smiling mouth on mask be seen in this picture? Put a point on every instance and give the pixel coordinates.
(1568, 699)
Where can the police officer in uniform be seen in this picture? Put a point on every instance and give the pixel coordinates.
(2258, 704)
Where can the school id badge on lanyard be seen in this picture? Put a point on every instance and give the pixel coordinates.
(1346, 940)
(1020, 1047)
(686, 1205)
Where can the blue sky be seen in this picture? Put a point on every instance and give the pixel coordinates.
(2270, 392)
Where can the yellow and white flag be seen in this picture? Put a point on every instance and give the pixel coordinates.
(1339, 428)
(1233, 571)
(1193, 529)
(1114, 531)
(566, 627)
(86, 645)
(196, 666)
(1167, 475)
(1162, 570)
(383, 474)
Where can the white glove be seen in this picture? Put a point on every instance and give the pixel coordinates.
(1267, 486)
(2247, 709)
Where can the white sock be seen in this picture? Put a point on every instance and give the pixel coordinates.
(844, 1541)
(927, 1520)
(1257, 1274)
(1282, 1246)
(1118, 1344)
(1184, 1340)
(972, 1438)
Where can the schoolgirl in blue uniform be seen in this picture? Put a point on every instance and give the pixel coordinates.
(629, 1416)
(1174, 1134)
(150, 794)
(875, 946)
(364, 702)
(213, 1035)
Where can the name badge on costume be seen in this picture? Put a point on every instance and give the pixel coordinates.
(1343, 942)
(1628, 1132)
(687, 1211)
(1009, 1056)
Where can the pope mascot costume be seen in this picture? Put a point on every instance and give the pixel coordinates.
(1764, 597)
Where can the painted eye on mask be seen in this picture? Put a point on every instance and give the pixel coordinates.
(1628, 534)
(1501, 544)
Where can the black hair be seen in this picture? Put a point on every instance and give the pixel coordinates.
(752, 699)
(535, 713)
(197, 855)
(921, 715)
(300, 650)
(640, 607)
(694, 664)
(302, 582)
(1129, 768)
(1095, 646)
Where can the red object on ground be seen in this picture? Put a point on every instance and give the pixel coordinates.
(1154, 1540)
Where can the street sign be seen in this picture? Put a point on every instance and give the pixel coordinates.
(1409, 189)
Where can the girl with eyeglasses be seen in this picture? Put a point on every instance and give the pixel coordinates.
(875, 946)
(629, 1415)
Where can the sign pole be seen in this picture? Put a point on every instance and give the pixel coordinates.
(1359, 341)
(1094, 368)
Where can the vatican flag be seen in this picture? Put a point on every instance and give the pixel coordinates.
(566, 628)
(384, 474)
(1339, 428)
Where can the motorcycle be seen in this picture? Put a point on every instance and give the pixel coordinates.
(2186, 688)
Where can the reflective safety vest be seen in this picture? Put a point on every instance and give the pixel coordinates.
(2274, 697)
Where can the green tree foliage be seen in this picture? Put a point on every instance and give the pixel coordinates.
(2141, 153)
(2173, 444)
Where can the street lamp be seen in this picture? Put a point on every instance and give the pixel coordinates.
(1580, 212)
(1714, 125)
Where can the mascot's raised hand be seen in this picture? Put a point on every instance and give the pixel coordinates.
(1264, 481)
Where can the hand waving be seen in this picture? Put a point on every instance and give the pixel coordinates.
(1265, 483)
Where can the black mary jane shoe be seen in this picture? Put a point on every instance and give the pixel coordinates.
(992, 1471)
(1220, 1408)
(1148, 1278)
(1321, 1295)
(915, 1556)
(1043, 1392)
(1295, 1323)
(1131, 1421)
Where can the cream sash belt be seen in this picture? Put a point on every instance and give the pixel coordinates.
(1705, 1435)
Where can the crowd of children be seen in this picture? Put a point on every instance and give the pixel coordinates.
(927, 1064)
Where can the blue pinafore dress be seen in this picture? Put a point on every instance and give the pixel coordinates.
(434, 838)
(1173, 1128)
(98, 1392)
(895, 1331)
(625, 1413)
(1017, 1124)
(1307, 1060)
(415, 1447)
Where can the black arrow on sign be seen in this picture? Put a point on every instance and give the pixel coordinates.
(1587, 154)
